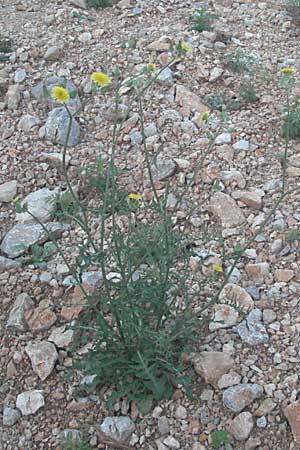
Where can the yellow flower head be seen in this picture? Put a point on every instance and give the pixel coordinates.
(185, 47)
(135, 197)
(217, 268)
(60, 94)
(100, 78)
(204, 116)
(288, 71)
(151, 66)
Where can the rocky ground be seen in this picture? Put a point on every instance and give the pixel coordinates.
(246, 372)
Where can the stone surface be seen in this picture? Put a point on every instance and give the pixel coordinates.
(237, 296)
(16, 319)
(76, 303)
(13, 96)
(163, 425)
(258, 272)
(253, 199)
(171, 442)
(30, 402)
(56, 128)
(265, 407)
(8, 191)
(163, 169)
(189, 101)
(228, 380)
(292, 413)
(224, 138)
(226, 210)
(27, 122)
(43, 356)
(283, 275)
(241, 426)
(22, 236)
(118, 428)
(252, 330)
(20, 75)
(93, 278)
(6, 263)
(225, 316)
(212, 365)
(241, 146)
(62, 337)
(53, 53)
(41, 318)
(10, 416)
(40, 204)
(236, 398)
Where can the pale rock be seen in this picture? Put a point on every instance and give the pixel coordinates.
(43, 356)
(265, 407)
(212, 365)
(253, 199)
(159, 45)
(241, 146)
(41, 204)
(10, 416)
(224, 138)
(55, 159)
(8, 191)
(215, 74)
(236, 398)
(225, 152)
(163, 425)
(229, 379)
(16, 319)
(27, 122)
(172, 443)
(261, 422)
(292, 413)
(237, 296)
(20, 75)
(181, 412)
(136, 138)
(62, 337)
(283, 275)
(163, 169)
(85, 37)
(294, 160)
(166, 77)
(56, 128)
(7, 264)
(13, 97)
(76, 303)
(252, 330)
(224, 316)
(253, 443)
(30, 402)
(233, 177)
(269, 316)
(38, 92)
(258, 272)
(189, 101)
(118, 428)
(226, 210)
(92, 278)
(53, 54)
(241, 426)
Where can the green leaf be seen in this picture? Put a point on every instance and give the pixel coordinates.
(73, 94)
(219, 438)
(145, 404)
(46, 92)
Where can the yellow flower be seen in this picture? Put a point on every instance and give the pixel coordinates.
(185, 47)
(204, 116)
(100, 78)
(288, 70)
(217, 268)
(60, 94)
(135, 197)
(151, 66)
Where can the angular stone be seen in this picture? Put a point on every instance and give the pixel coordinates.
(292, 413)
(6, 263)
(43, 356)
(166, 77)
(8, 191)
(16, 319)
(159, 46)
(258, 272)
(215, 74)
(228, 380)
(41, 318)
(118, 428)
(10, 416)
(13, 97)
(226, 210)
(30, 402)
(163, 169)
(233, 177)
(283, 275)
(93, 278)
(53, 53)
(20, 75)
(237, 296)
(252, 330)
(294, 160)
(76, 304)
(212, 365)
(40, 203)
(265, 407)
(27, 122)
(22, 236)
(189, 101)
(241, 426)
(172, 443)
(236, 398)
(56, 128)
(224, 316)
(224, 138)
(62, 337)
(241, 146)
(163, 425)
(253, 199)
(55, 159)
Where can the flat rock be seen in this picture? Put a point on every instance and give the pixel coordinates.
(62, 337)
(10, 416)
(236, 398)
(118, 428)
(226, 210)
(171, 442)
(265, 407)
(283, 275)
(253, 199)
(16, 319)
(237, 296)
(79, 3)
(40, 203)
(56, 128)
(20, 75)
(76, 303)
(229, 379)
(163, 169)
(241, 146)
(212, 365)
(224, 316)
(292, 413)
(30, 402)
(42, 317)
(252, 330)
(189, 101)
(27, 122)
(43, 356)
(241, 426)
(224, 138)
(258, 272)
(22, 236)
(8, 191)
